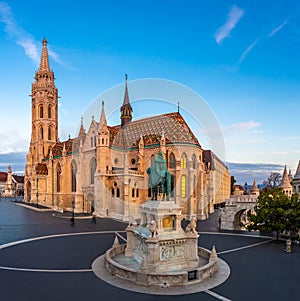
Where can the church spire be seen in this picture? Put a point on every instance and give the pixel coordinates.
(81, 130)
(126, 97)
(44, 64)
(126, 109)
(102, 121)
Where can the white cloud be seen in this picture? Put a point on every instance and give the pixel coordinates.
(13, 141)
(274, 31)
(249, 48)
(22, 38)
(241, 126)
(30, 49)
(233, 18)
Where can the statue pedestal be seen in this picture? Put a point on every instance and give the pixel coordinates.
(164, 247)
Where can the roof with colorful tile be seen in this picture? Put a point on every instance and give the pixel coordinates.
(171, 125)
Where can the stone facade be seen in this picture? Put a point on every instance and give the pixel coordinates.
(103, 169)
(296, 180)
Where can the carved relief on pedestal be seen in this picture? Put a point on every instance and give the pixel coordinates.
(170, 252)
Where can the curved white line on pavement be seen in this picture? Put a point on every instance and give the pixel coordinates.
(123, 238)
(10, 244)
(44, 270)
(14, 243)
(237, 234)
(246, 247)
(217, 296)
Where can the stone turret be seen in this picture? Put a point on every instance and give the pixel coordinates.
(255, 189)
(285, 183)
(296, 180)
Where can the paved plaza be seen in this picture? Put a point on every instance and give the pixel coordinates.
(43, 257)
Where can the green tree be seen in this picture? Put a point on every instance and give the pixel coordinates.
(273, 180)
(275, 211)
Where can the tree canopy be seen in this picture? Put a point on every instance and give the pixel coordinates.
(273, 180)
(275, 211)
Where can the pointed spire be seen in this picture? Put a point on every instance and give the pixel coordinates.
(178, 109)
(126, 109)
(213, 254)
(102, 122)
(9, 169)
(126, 97)
(285, 183)
(116, 242)
(44, 65)
(81, 130)
(254, 189)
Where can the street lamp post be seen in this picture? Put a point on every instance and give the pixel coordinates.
(73, 215)
(37, 193)
(52, 183)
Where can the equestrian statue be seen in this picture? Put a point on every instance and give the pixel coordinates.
(159, 178)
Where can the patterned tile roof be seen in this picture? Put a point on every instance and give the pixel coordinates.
(71, 146)
(3, 176)
(41, 169)
(171, 125)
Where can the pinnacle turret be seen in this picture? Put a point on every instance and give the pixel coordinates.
(285, 183)
(254, 189)
(102, 121)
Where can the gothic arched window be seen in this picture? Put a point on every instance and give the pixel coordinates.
(41, 112)
(183, 186)
(41, 133)
(49, 111)
(194, 161)
(183, 161)
(73, 175)
(172, 161)
(118, 192)
(58, 177)
(49, 133)
(92, 169)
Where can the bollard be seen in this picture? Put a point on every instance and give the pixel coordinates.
(288, 246)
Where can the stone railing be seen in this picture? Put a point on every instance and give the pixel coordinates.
(161, 279)
(121, 172)
(241, 199)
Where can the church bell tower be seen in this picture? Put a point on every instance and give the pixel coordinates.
(44, 132)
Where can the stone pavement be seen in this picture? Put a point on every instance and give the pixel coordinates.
(59, 266)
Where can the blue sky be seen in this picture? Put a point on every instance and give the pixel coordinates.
(242, 57)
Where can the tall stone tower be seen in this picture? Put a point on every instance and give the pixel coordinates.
(44, 132)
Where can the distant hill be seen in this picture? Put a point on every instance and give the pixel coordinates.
(247, 172)
(243, 172)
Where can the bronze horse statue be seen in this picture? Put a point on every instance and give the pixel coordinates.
(159, 177)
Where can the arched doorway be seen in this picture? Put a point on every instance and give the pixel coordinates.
(90, 203)
(241, 219)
